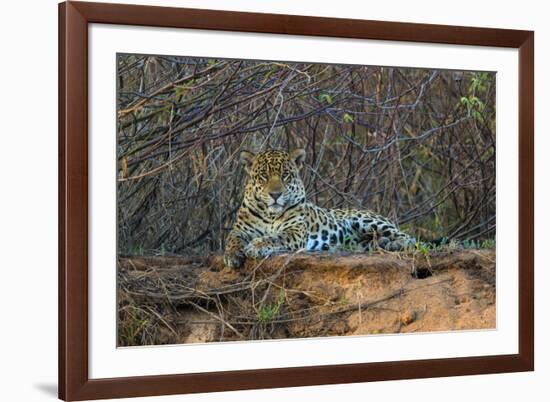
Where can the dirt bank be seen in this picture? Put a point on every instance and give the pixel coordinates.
(181, 300)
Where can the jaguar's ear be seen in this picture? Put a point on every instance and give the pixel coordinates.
(246, 159)
(298, 156)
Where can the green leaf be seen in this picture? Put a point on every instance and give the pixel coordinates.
(487, 154)
(348, 118)
(325, 98)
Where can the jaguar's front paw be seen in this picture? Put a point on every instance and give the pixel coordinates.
(233, 260)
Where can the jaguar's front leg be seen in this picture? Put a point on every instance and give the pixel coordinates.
(234, 255)
(290, 239)
(265, 246)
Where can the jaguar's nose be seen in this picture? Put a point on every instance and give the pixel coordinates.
(275, 195)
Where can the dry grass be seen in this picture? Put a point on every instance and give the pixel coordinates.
(165, 300)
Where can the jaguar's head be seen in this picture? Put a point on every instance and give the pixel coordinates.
(274, 182)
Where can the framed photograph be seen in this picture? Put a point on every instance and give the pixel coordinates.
(259, 200)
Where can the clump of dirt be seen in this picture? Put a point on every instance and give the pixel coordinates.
(186, 300)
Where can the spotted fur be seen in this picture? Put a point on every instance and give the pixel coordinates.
(275, 216)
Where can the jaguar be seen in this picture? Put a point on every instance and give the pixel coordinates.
(275, 216)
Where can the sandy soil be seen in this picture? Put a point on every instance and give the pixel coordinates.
(184, 300)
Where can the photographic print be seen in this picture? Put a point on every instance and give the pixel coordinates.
(262, 200)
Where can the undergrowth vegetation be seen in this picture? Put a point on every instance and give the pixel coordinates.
(416, 145)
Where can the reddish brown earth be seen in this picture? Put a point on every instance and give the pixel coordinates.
(183, 300)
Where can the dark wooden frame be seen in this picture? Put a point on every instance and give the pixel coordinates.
(74, 18)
